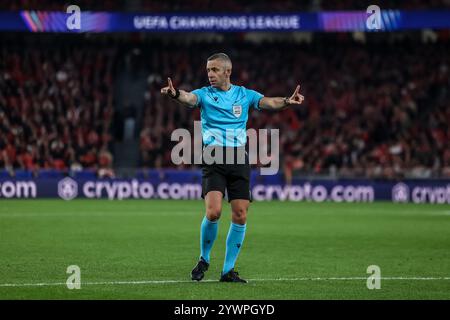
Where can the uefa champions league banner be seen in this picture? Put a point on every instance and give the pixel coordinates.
(187, 185)
(328, 21)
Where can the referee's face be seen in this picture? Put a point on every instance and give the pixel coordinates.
(218, 73)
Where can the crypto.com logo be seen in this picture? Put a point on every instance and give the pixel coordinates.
(67, 188)
(373, 21)
(259, 147)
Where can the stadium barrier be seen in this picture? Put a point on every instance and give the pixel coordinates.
(177, 184)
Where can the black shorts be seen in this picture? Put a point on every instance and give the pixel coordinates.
(234, 178)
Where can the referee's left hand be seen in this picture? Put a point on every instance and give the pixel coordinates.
(296, 97)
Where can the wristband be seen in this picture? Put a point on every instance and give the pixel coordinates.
(177, 94)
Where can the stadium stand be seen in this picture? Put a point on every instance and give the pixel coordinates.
(56, 108)
(372, 109)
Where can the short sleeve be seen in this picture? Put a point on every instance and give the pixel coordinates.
(254, 97)
(199, 93)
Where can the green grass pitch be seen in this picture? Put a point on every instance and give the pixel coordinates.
(146, 250)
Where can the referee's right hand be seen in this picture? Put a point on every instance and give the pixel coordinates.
(169, 90)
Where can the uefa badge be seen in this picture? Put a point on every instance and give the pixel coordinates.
(67, 188)
(237, 111)
(400, 193)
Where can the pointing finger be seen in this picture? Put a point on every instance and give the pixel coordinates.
(170, 83)
(295, 92)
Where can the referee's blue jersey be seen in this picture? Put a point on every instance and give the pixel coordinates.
(224, 114)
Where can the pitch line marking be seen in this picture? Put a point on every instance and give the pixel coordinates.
(47, 284)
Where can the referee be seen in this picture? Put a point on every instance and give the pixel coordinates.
(224, 108)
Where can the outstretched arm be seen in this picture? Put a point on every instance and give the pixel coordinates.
(183, 97)
(278, 103)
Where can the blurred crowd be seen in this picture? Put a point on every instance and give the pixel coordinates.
(378, 110)
(371, 110)
(56, 107)
(219, 5)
